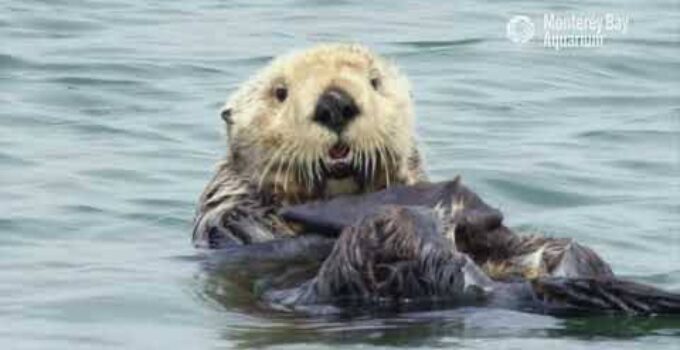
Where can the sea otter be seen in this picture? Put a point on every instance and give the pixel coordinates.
(337, 120)
(333, 119)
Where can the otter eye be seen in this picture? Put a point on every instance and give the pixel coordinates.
(226, 116)
(375, 83)
(281, 93)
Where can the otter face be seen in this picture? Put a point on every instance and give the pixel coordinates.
(332, 119)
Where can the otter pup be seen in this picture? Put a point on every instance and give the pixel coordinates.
(333, 119)
(478, 230)
(404, 256)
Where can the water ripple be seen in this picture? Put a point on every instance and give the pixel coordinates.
(110, 129)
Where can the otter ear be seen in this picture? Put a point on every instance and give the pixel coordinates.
(226, 116)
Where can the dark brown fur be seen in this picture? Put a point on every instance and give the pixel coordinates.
(399, 257)
(478, 230)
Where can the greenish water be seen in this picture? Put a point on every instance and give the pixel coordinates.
(109, 128)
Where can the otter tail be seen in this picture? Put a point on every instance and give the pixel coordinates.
(560, 296)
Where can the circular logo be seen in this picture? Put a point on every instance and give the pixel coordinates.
(520, 29)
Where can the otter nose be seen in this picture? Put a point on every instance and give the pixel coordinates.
(335, 109)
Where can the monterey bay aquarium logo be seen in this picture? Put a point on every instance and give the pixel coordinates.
(568, 30)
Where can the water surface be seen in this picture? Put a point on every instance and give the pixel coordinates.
(110, 128)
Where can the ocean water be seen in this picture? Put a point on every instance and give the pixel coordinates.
(109, 129)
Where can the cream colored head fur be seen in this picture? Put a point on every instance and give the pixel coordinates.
(278, 146)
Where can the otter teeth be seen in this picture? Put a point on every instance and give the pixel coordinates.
(344, 160)
(339, 161)
(340, 153)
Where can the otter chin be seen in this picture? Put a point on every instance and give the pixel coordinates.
(313, 124)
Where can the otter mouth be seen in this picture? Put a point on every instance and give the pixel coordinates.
(339, 161)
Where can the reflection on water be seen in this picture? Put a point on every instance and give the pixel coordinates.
(234, 289)
(447, 327)
(110, 128)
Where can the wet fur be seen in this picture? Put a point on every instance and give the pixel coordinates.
(474, 227)
(395, 256)
(401, 256)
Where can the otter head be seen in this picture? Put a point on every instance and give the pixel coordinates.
(328, 120)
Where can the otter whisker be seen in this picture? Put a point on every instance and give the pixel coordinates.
(298, 168)
(356, 159)
(303, 167)
(393, 157)
(279, 168)
(310, 167)
(318, 167)
(364, 166)
(293, 151)
(381, 159)
(374, 161)
(305, 171)
(300, 171)
(367, 166)
(296, 159)
(268, 166)
(381, 149)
